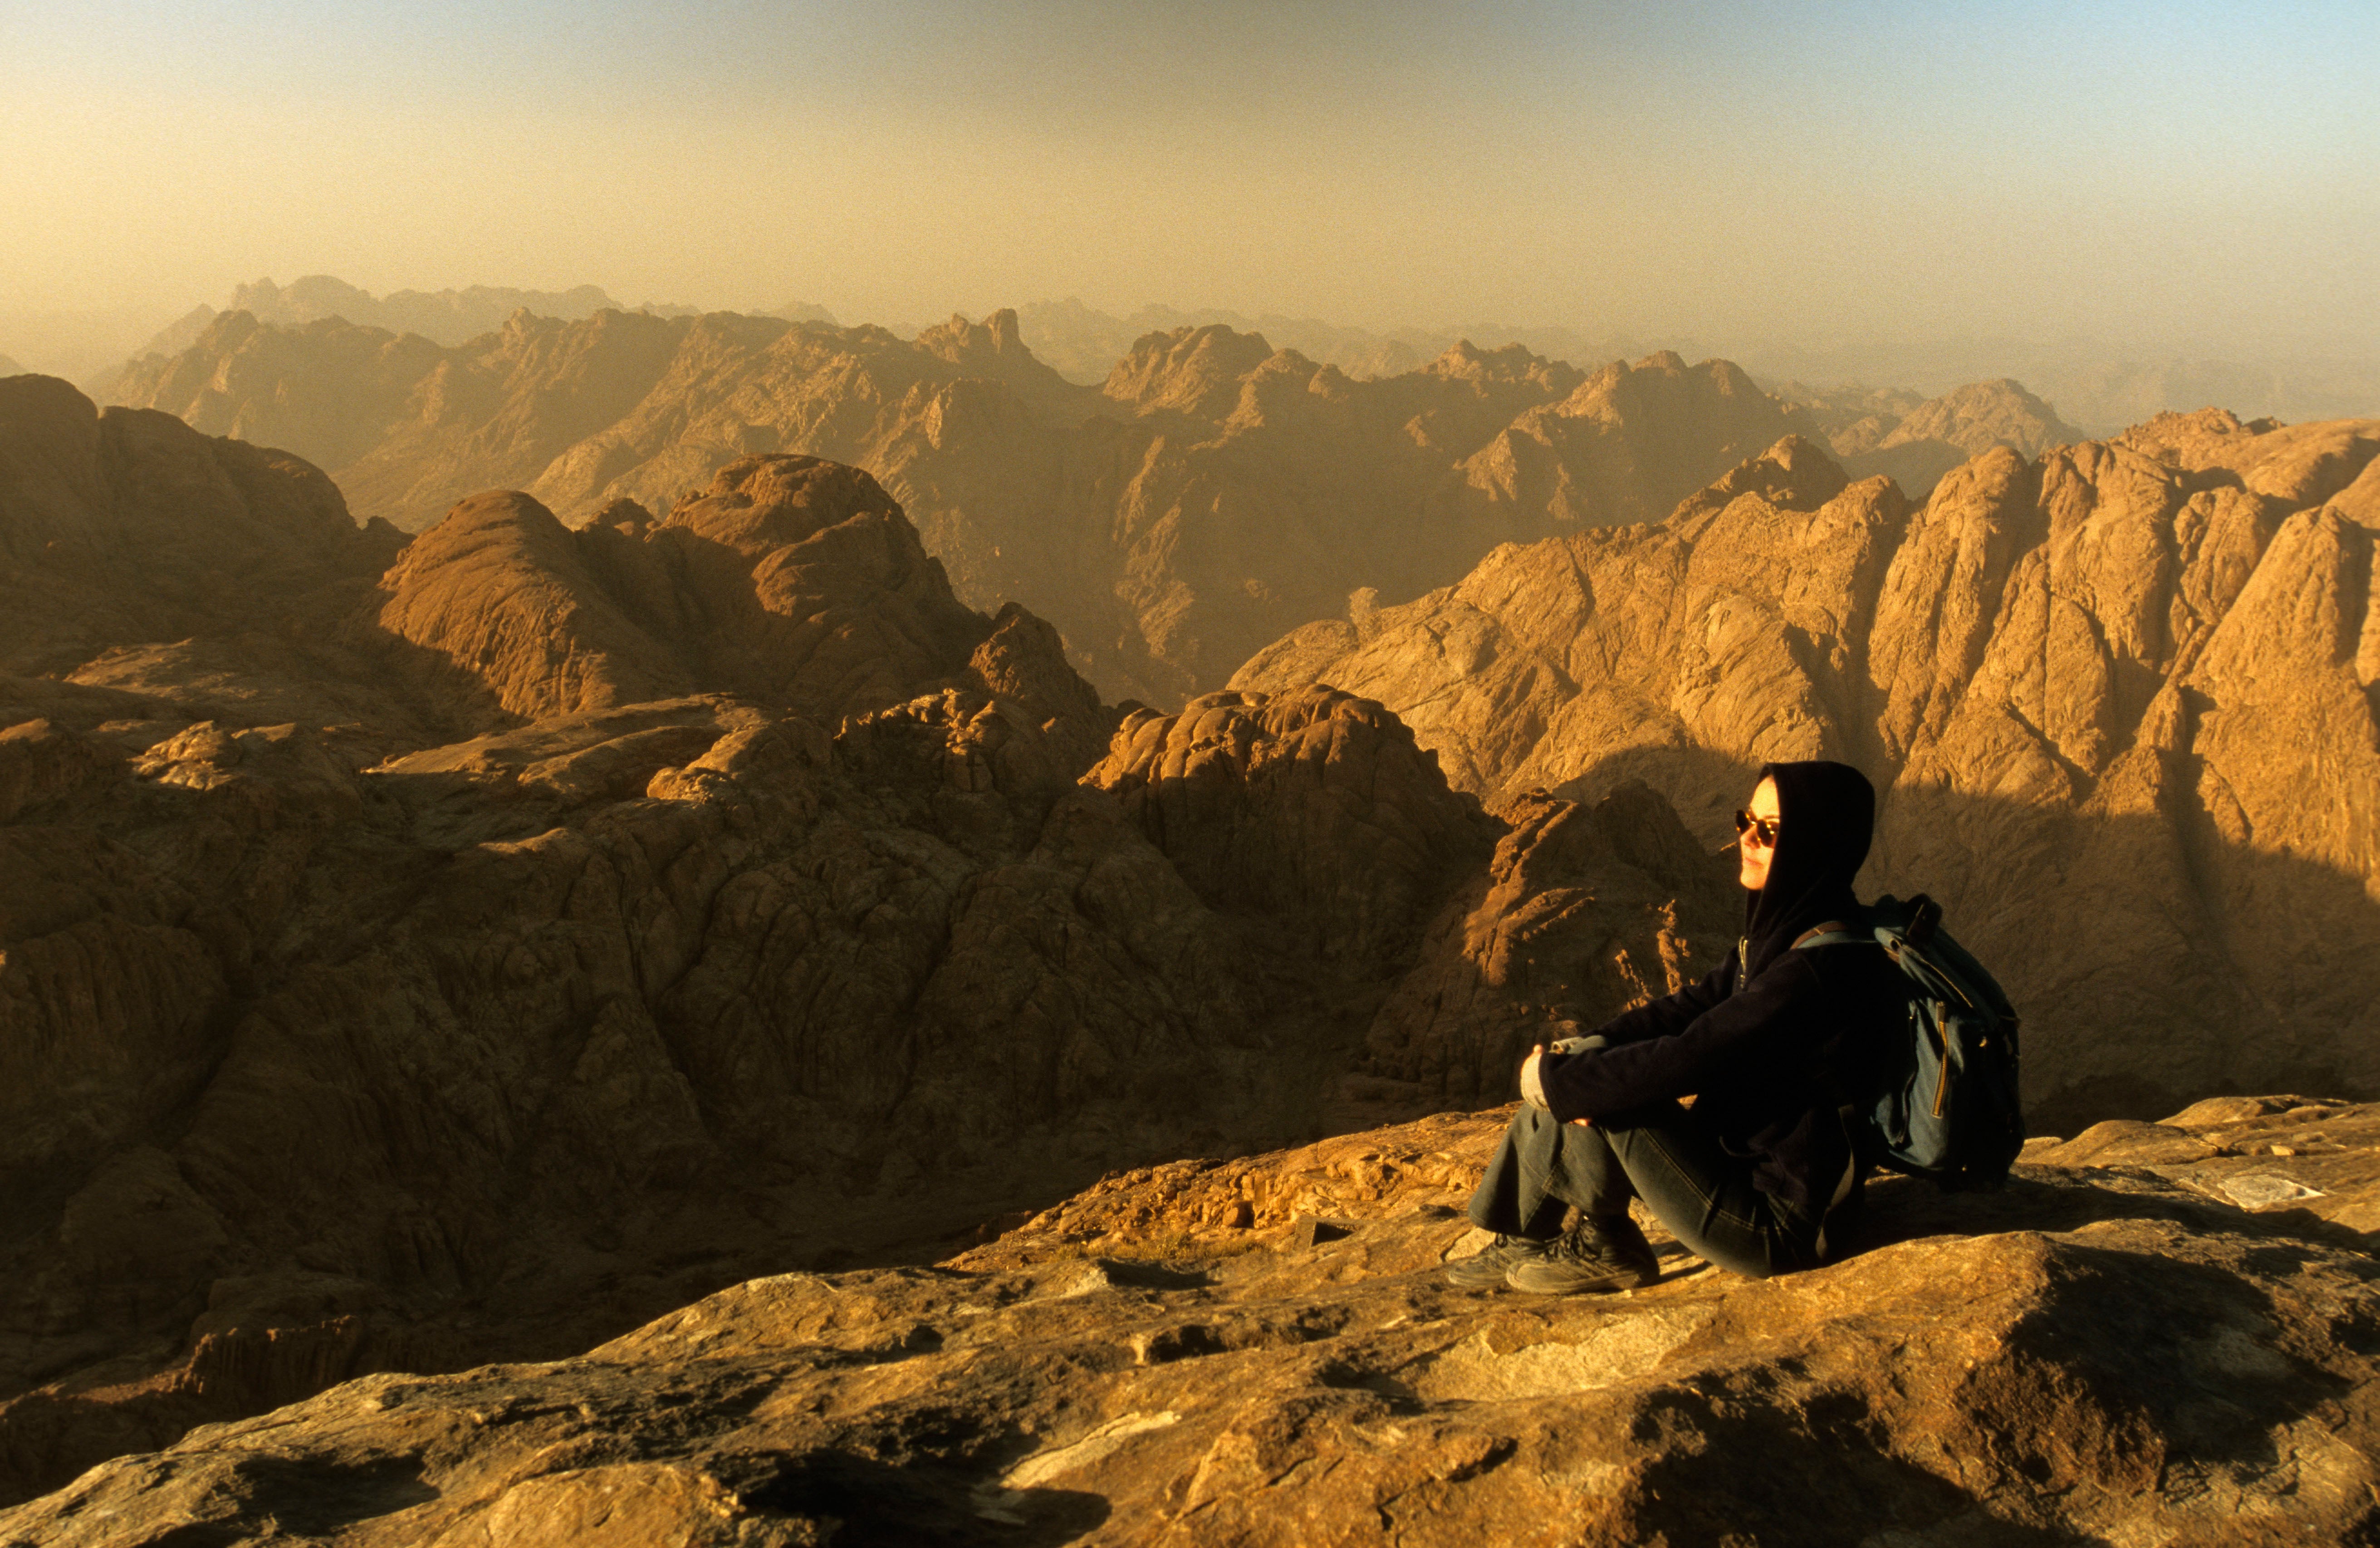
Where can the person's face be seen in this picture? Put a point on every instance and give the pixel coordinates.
(1754, 855)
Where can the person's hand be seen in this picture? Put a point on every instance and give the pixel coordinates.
(1533, 1090)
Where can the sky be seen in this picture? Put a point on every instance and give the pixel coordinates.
(2191, 177)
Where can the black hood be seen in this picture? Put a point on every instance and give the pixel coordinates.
(1825, 816)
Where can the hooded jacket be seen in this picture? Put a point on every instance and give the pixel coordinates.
(1773, 1040)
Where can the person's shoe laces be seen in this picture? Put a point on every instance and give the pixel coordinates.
(1596, 1255)
(1491, 1264)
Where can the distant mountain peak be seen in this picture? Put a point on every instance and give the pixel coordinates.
(447, 317)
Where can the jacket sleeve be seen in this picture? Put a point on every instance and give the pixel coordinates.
(1743, 1027)
(1672, 1014)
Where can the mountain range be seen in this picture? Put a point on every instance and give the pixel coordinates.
(441, 316)
(424, 949)
(2100, 386)
(1083, 343)
(1212, 492)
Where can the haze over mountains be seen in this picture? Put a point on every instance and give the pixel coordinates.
(447, 317)
(1082, 343)
(2101, 388)
(95, 348)
(1212, 492)
(443, 317)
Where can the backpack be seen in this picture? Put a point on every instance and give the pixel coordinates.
(1945, 1103)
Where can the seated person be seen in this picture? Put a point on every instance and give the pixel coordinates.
(1775, 1045)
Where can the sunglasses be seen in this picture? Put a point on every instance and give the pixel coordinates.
(1759, 832)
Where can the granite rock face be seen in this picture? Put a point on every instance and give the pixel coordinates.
(1212, 492)
(1652, 636)
(2121, 703)
(2119, 1347)
(790, 580)
(1315, 805)
(1453, 939)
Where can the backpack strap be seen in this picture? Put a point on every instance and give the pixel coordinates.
(1848, 1117)
(1834, 932)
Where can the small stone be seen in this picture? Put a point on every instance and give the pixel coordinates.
(1311, 1231)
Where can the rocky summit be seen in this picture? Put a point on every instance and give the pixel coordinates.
(2157, 1332)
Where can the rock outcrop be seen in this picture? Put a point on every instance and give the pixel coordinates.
(1315, 806)
(791, 581)
(1441, 940)
(1212, 492)
(2157, 1332)
(149, 562)
(2121, 700)
(138, 557)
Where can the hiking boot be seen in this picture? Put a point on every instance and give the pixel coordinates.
(1488, 1268)
(1604, 1252)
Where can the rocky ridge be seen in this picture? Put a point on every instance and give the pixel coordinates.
(2157, 1331)
(1914, 439)
(419, 953)
(1082, 342)
(2094, 690)
(441, 316)
(1213, 492)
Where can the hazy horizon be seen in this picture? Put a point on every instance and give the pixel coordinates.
(2195, 184)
